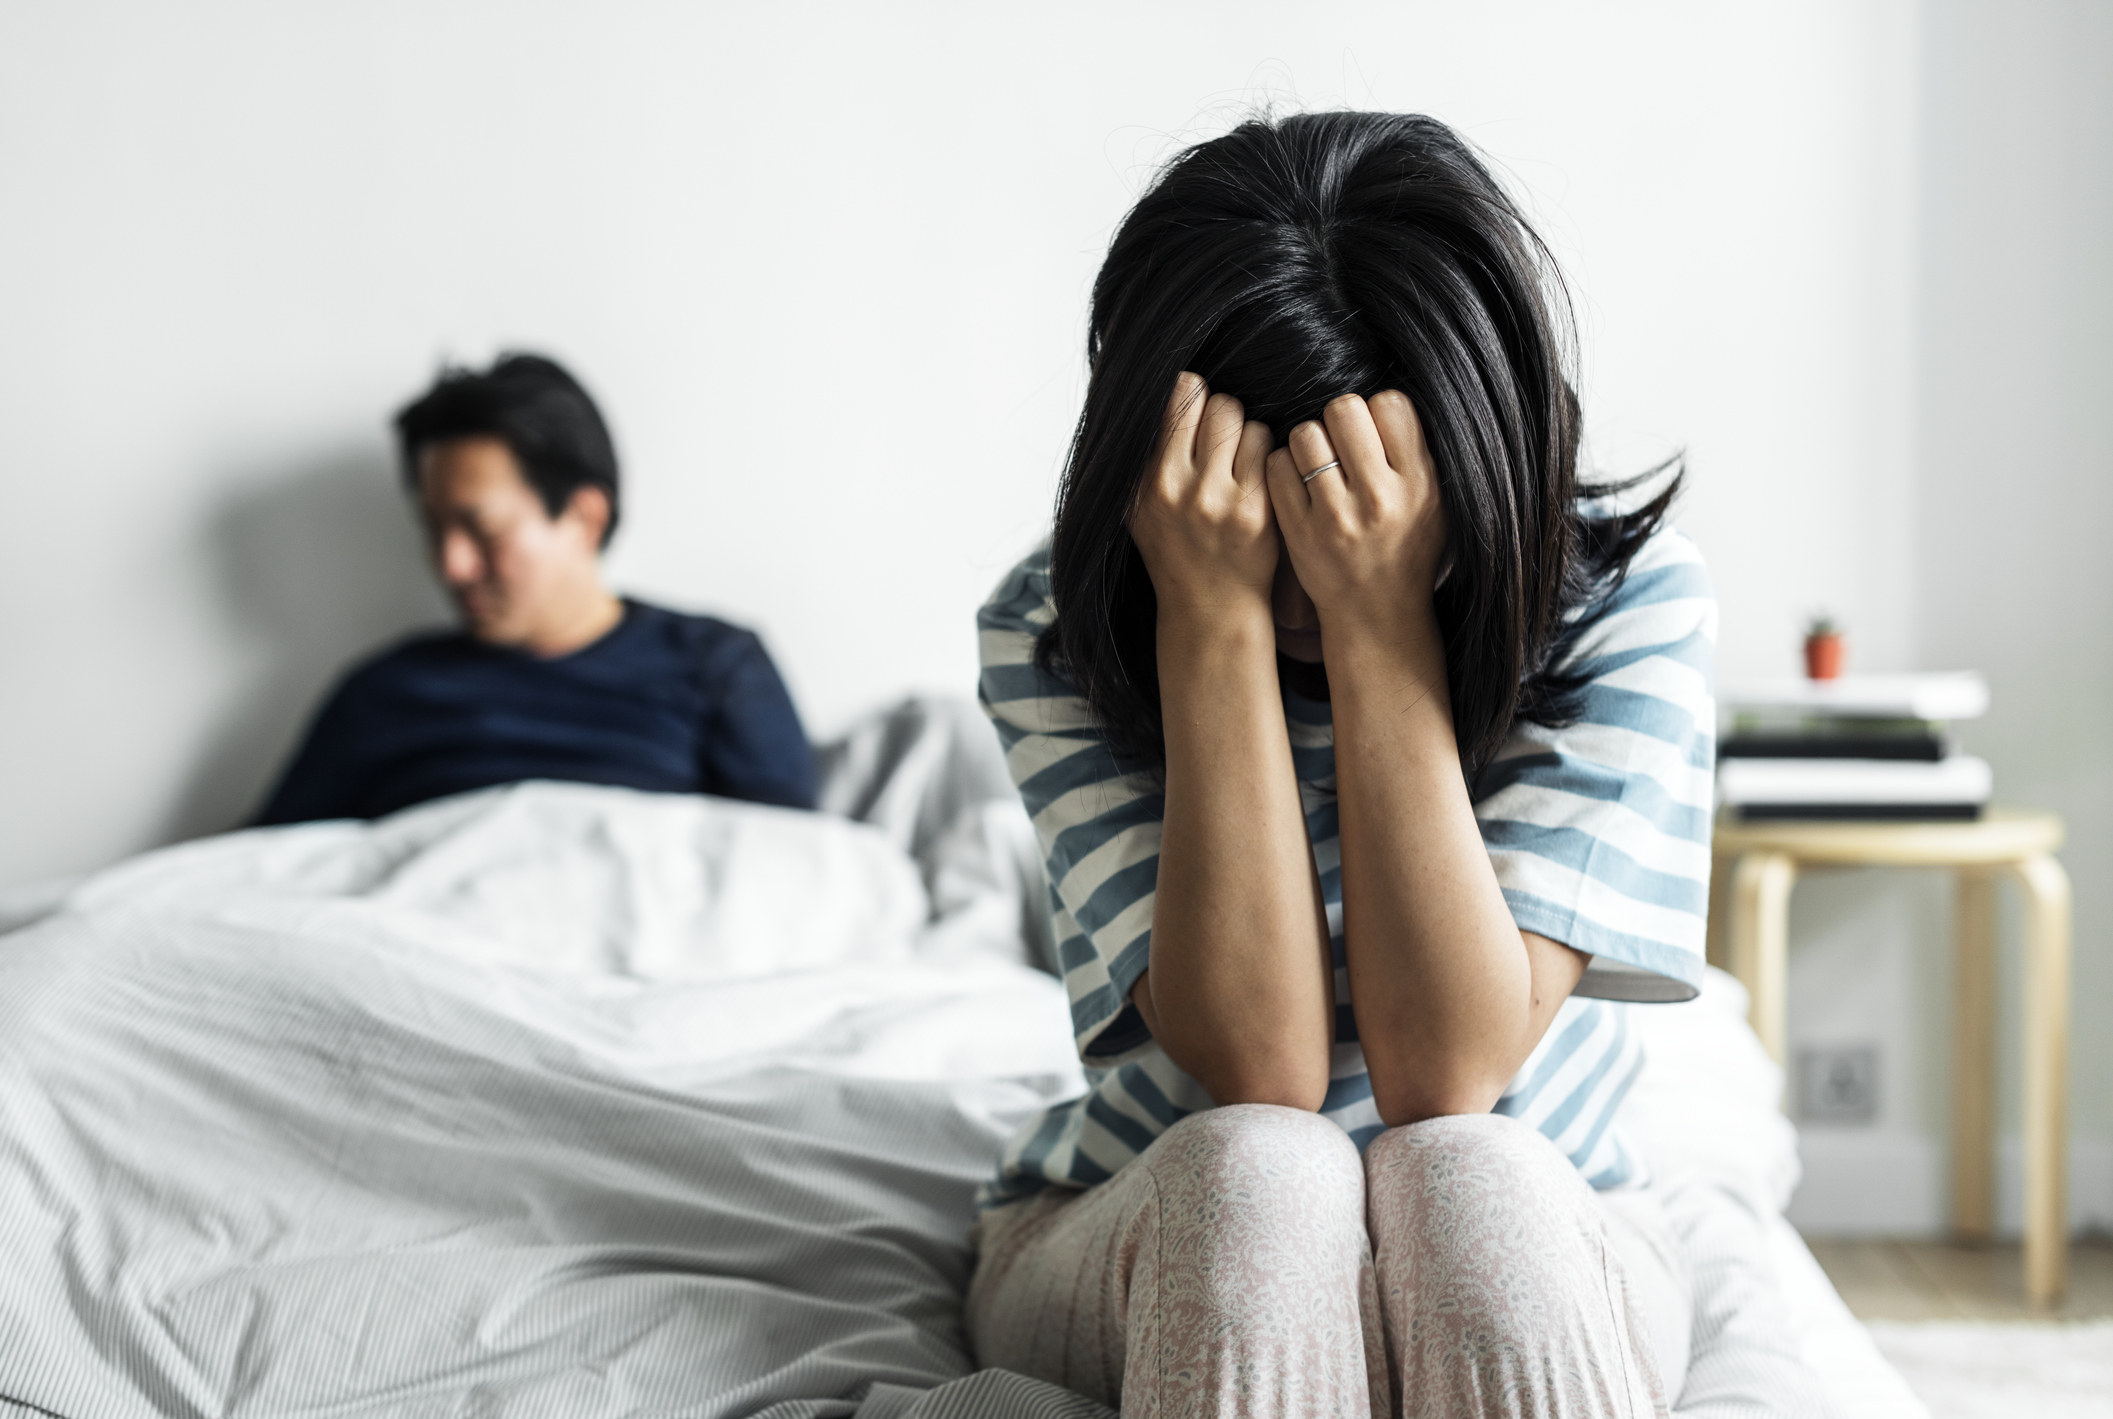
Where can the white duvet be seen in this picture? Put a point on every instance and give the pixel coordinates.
(548, 1100)
(575, 1101)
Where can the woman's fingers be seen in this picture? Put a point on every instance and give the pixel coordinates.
(1356, 440)
(1177, 436)
(1312, 451)
(1218, 435)
(1366, 531)
(1201, 521)
(1400, 432)
(1250, 460)
(1201, 437)
(1394, 416)
(1286, 496)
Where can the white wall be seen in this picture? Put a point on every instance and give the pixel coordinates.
(826, 268)
(2012, 499)
(2015, 437)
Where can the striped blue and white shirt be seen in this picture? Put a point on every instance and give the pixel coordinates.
(1599, 833)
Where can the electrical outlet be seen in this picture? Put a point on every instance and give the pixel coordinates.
(1838, 1084)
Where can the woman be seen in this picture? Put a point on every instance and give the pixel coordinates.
(1370, 753)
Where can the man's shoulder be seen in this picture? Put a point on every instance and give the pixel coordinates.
(378, 683)
(706, 648)
(412, 654)
(690, 629)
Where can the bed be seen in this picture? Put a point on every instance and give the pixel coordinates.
(555, 1099)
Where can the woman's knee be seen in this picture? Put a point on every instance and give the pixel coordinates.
(1253, 1287)
(1260, 1157)
(1260, 1217)
(1489, 1244)
(1448, 1184)
(1493, 1145)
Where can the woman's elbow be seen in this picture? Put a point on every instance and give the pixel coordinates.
(1439, 1095)
(1285, 1078)
(1288, 1093)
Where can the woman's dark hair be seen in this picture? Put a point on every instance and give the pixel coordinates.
(539, 410)
(1297, 259)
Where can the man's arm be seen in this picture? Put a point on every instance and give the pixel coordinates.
(754, 747)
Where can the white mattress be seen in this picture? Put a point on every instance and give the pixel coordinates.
(1706, 1112)
(576, 1101)
(1857, 1376)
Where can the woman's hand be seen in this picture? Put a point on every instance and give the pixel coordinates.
(1203, 521)
(1367, 538)
(1239, 988)
(1450, 996)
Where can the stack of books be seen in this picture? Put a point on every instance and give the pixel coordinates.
(1869, 747)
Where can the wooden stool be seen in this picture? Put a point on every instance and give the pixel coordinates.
(1764, 858)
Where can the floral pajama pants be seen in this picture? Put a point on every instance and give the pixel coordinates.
(1250, 1263)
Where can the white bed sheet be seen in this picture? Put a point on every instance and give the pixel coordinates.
(1706, 1112)
(576, 1101)
(495, 1108)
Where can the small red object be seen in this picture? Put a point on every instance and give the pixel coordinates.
(1823, 656)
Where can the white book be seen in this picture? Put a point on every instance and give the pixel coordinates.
(1958, 780)
(1960, 694)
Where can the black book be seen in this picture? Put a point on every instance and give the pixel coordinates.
(1921, 747)
(1861, 812)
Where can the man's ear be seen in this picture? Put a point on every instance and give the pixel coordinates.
(589, 506)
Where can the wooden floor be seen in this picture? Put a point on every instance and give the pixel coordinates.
(1917, 1280)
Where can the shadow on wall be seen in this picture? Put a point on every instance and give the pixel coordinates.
(315, 570)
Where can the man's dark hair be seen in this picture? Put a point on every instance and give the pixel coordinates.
(537, 408)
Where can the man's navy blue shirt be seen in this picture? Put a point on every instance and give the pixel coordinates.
(664, 701)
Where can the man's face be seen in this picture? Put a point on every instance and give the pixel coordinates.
(512, 569)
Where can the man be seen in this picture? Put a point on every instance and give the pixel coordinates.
(552, 676)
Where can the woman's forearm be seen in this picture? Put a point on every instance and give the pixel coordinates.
(1450, 996)
(1240, 990)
